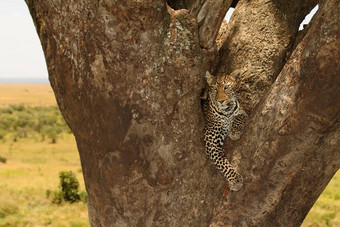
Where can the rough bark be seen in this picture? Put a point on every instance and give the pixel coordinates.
(210, 18)
(129, 90)
(290, 150)
(209, 15)
(127, 77)
(257, 42)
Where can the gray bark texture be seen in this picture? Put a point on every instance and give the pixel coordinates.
(127, 76)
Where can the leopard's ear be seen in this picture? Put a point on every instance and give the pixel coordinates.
(204, 94)
(209, 78)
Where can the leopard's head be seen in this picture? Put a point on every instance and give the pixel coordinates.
(220, 92)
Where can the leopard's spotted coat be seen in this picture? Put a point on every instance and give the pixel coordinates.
(223, 117)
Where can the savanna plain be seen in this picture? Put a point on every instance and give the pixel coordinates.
(37, 150)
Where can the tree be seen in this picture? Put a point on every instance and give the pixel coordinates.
(127, 76)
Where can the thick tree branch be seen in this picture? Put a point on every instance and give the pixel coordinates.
(290, 150)
(194, 6)
(209, 14)
(71, 40)
(257, 42)
(127, 77)
(209, 19)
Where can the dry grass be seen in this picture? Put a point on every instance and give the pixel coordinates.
(325, 211)
(29, 94)
(31, 169)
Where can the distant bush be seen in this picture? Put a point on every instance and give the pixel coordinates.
(7, 121)
(21, 122)
(2, 134)
(83, 196)
(2, 159)
(6, 110)
(20, 107)
(68, 189)
(50, 132)
(69, 186)
(57, 197)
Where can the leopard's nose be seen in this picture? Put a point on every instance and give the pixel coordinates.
(220, 97)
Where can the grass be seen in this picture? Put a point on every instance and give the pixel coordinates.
(31, 169)
(30, 163)
(325, 211)
(30, 94)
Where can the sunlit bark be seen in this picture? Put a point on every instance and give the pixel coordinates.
(127, 76)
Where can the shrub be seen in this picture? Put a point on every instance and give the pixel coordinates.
(48, 193)
(45, 119)
(6, 110)
(69, 189)
(22, 121)
(7, 121)
(69, 186)
(20, 107)
(57, 197)
(51, 132)
(83, 196)
(3, 159)
(2, 134)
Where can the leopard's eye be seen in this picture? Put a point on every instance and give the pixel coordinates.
(227, 88)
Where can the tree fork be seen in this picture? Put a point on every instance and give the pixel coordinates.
(127, 78)
(290, 150)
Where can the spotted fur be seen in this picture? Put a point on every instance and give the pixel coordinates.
(223, 117)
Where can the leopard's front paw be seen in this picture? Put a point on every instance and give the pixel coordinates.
(236, 182)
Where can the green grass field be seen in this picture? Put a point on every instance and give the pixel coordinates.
(31, 169)
(325, 211)
(35, 145)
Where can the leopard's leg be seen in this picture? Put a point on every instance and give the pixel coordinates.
(214, 151)
(237, 125)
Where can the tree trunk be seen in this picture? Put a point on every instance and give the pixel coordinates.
(290, 150)
(127, 76)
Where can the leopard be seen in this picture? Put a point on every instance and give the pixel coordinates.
(224, 117)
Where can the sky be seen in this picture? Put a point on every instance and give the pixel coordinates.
(21, 55)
